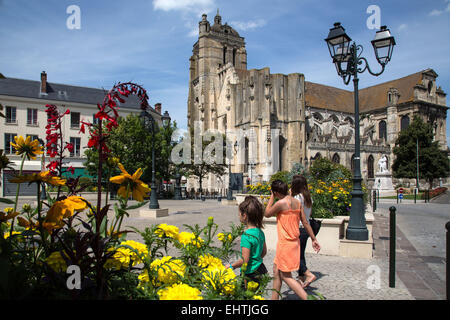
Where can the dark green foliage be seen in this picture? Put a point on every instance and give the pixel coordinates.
(326, 170)
(433, 161)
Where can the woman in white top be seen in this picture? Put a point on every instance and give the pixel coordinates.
(299, 190)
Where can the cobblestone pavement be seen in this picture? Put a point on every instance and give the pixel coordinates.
(338, 278)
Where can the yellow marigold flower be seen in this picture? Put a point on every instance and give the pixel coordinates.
(186, 238)
(169, 270)
(335, 198)
(7, 234)
(221, 279)
(252, 285)
(138, 188)
(39, 177)
(223, 237)
(166, 230)
(61, 210)
(207, 261)
(25, 146)
(56, 261)
(124, 256)
(180, 291)
(257, 298)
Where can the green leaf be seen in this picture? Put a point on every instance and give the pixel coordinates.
(6, 200)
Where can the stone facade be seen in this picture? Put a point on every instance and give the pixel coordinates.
(285, 119)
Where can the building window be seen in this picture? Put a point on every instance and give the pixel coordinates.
(74, 119)
(95, 120)
(370, 172)
(11, 115)
(32, 116)
(76, 142)
(404, 123)
(382, 130)
(33, 136)
(336, 158)
(9, 137)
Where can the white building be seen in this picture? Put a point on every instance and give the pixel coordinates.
(24, 103)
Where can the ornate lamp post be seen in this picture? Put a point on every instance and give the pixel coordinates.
(149, 123)
(349, 63)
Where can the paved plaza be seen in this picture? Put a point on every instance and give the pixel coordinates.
(337, 277)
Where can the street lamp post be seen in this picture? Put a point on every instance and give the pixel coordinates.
(150, 124)
(348, 62)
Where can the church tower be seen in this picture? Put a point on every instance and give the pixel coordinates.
(218, 46)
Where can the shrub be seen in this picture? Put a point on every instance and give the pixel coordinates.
(326, 170)
(280, 175)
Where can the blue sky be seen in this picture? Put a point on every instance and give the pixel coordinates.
(150, 41)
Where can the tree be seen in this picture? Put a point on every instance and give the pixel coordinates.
(208, 156)
(131, 143)
(433, 161)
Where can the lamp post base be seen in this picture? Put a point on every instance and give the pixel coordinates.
(153, 213)
(361, 234)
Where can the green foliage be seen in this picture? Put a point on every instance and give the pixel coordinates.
(281, 175)
(200, 169)
(326, 170)
(298, 169)
(433, 162)
(132, 144)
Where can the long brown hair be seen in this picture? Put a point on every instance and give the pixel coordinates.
(300, 185)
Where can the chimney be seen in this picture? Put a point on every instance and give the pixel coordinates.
(158, 107)
(43, 83)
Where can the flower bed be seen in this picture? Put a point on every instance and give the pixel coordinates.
(434, 192)
(329, 198)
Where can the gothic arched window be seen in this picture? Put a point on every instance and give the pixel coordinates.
(336, 158)
(404, 122)
(382, 130)
(370, 171)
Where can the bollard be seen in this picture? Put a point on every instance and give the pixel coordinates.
(447, 273)
(374, 200)
(392, 245)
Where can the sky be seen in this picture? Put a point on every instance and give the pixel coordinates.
(150, 41)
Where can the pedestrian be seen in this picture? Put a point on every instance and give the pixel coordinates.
(289, 213)
(253, 241)
(300, 191)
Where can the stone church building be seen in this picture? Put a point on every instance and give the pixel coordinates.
(285, 119)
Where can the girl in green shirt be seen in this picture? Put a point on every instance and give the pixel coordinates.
(253, 241)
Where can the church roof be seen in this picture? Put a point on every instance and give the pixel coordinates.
(370, 98)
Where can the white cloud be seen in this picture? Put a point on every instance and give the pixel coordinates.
(437, 12)
(403, 26)
(183, 5)
(253, 24)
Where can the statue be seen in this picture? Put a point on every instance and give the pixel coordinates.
(382, 164)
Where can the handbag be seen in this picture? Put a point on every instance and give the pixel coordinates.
(315, 225)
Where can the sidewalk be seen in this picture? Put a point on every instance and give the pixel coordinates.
(412, 269)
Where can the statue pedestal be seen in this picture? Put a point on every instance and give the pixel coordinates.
(383, 182)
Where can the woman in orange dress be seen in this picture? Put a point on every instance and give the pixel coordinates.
(289, 213)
